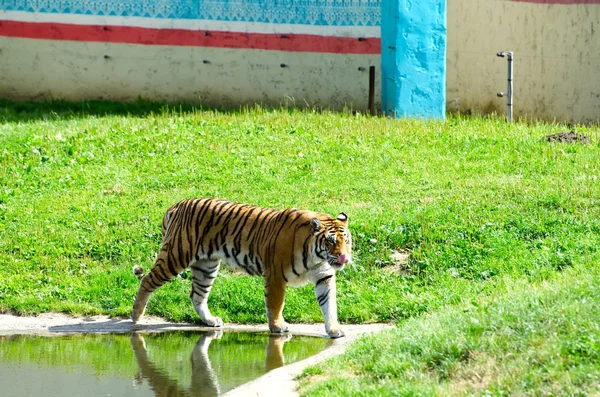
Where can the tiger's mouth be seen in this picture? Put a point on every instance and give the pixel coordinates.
(338, 262)
(336, 265)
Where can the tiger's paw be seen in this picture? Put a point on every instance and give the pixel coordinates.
(279, 328)
(218, 334)
(135, 316)
(213, 322)
(335, 333)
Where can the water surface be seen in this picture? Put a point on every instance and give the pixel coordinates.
(183, 363)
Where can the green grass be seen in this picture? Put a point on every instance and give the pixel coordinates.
(478, 204)
(541, 339)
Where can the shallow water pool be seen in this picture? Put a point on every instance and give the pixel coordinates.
(182, 363)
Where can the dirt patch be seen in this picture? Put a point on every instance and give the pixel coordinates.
(477, 376)
(568, 137)
(400, 263)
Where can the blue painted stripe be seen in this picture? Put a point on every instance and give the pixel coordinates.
(413, 58)
(304, 12)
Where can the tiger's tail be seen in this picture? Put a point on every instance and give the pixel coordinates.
(140, 303)
(138, 271)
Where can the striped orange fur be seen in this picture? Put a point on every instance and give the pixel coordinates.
(283, 246)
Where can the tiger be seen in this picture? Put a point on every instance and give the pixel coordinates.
(286, 247)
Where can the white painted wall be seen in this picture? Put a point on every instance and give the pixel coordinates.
(48, 69)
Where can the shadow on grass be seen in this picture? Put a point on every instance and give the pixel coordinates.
(58, 109)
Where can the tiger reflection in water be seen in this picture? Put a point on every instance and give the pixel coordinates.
(204, 381)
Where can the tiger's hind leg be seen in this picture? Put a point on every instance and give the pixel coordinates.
(274, 302)
(204, 273)
(150, 282)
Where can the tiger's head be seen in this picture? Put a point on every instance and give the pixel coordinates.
(333, 240)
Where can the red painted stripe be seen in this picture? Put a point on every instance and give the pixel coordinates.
(559, 1)
(193, 38)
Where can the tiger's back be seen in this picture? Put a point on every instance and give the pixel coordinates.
(284, 246)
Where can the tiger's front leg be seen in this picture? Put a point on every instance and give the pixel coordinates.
(325, 291)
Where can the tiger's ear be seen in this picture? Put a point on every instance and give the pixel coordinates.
(315, 224)
(343, 218)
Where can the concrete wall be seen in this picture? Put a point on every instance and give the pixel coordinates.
(230, 52)
(557, 57)
(213, 52)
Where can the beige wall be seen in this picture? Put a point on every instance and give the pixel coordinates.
(557, 58)
(47, 69)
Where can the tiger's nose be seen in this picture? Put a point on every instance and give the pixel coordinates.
(343, 258)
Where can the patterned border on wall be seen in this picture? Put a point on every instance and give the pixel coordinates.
(191, 38)
(559, 1)
(304, 12)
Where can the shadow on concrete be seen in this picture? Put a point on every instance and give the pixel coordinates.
(91, 325)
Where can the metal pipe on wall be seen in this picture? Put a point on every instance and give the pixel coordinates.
(509, 93)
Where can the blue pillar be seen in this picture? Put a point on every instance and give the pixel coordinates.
(413, 58)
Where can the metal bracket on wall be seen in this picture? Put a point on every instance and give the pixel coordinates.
(509, 94)
(371, 97)
(371, 102)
